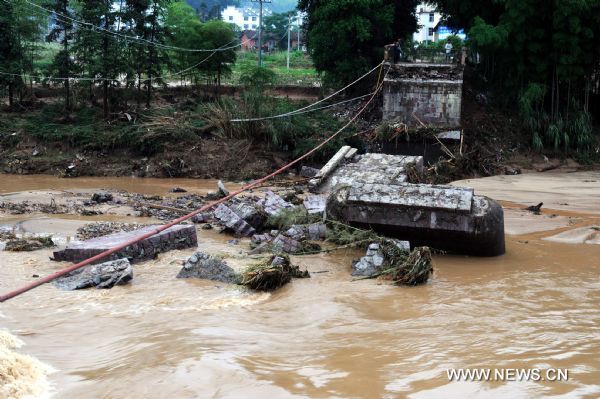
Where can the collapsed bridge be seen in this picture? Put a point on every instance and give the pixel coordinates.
(374, 191)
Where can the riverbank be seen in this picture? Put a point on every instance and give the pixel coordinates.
(536, 306)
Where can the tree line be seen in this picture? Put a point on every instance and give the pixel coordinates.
(110, 45)
(539, 58)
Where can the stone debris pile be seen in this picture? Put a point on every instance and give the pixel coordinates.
(203, 266)
(105, 275)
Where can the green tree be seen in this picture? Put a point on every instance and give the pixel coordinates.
(217, 34)
(346, 37)
(62, 31)
(187, 31)
(277, 24)
(146, 21)
(98, 53)
(542, 55)
(11, 50)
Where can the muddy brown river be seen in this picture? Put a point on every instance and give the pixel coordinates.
(538, 306)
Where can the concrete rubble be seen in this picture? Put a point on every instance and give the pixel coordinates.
(315, 204)
(233, 221)
(272, 203)
(372, 191)
(203, 266)
(105, 275)
(176, 237)
(367, 168)
(372, 263)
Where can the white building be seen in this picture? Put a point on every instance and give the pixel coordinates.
(245, 18)
(427, 20)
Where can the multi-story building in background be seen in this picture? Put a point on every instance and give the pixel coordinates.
(427, 20)
(430, 25)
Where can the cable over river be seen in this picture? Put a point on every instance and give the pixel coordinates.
(538, 306)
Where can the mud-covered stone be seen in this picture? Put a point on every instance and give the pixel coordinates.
(102, 196)
(203, 266)
(104, 275)
(370, 264)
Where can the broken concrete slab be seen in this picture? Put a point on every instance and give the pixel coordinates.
(424, 196)
(315, 204)
(435, 216)
(233, 221)
(176, 237)
(273, 203)
(203, 266)
(250, 214)
(105, 275)
(369, 168)
(333, 163)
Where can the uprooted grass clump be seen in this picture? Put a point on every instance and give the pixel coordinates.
(341, 234)
(406, 268)
(25, 244)
(272, 273)
(286, 218)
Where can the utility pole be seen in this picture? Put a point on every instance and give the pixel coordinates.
(298, 31)
(289, 29)
(260, 15)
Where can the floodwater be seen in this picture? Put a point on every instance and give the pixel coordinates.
(538, 306)
(146, 186)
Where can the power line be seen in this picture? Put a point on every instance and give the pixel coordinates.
(299, 110)
(136, 40)
(76, 79)
(294, 113)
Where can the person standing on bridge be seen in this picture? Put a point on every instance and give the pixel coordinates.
(448, 48)
(397, 51)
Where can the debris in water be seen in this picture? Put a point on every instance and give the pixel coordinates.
(178, 190)
(105, 275)
(203, 266)
(223, 192)
(102, 196)
(24, 244)
(535, 209)
(271, 274)
(414, 269)
(99, 229)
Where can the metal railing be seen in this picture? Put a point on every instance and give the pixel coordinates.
(428, 55)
